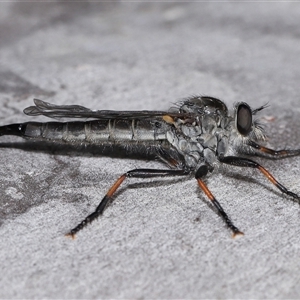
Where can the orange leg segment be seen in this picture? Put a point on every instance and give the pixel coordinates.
(211, 197)
(138, 173)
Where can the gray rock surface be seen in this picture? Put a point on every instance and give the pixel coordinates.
(158, 238)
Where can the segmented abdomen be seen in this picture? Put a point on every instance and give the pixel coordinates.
(97, 131)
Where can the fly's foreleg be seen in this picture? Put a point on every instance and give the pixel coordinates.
(136, 173)
(267, 152)
(244, 162)
(201, 172)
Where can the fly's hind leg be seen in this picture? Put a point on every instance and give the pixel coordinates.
(136, 173)
(202, 172)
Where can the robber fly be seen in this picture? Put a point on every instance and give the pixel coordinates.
(192, 138)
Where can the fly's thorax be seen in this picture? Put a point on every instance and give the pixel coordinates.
(190, 149)
(204, 105)
(202, 138)
(195, 141)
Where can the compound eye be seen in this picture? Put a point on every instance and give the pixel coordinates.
(244, 119)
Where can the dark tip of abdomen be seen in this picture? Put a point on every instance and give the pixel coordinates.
(13, 129)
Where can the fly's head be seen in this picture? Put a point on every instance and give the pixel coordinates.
(245, 127)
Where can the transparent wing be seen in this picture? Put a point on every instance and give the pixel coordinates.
(77, 111)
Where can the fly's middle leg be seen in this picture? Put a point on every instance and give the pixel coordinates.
(202, 172)
(136, 173)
